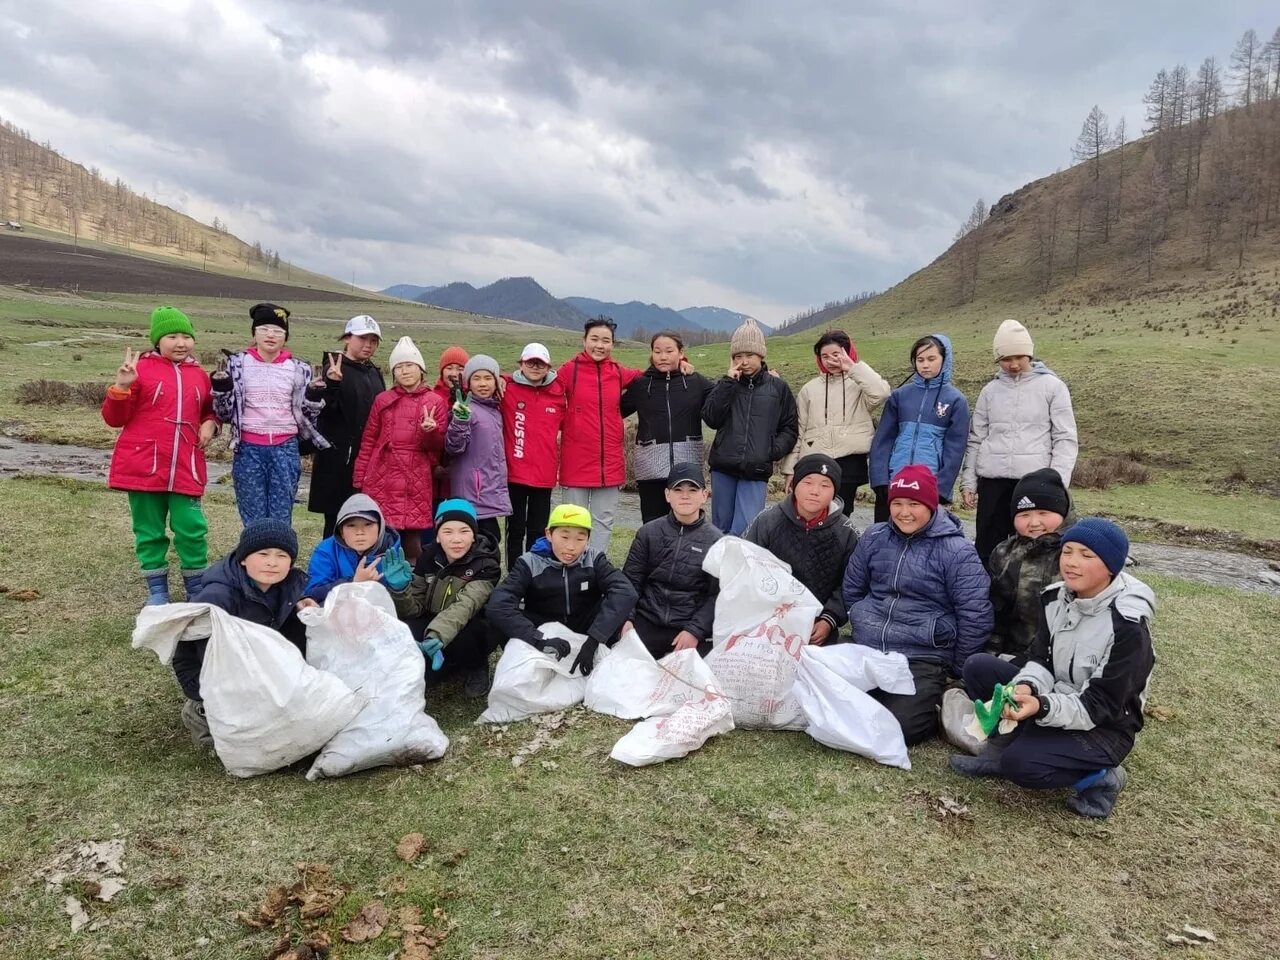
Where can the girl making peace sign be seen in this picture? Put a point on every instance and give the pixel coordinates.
(401, 445)
(162, 399)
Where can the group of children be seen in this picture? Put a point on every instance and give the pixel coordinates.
(1052, 613)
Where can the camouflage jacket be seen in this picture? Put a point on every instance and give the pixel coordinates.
(1020, 569)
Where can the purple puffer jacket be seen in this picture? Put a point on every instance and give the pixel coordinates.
(477, 459)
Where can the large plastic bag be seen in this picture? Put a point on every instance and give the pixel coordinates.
(266, 707)
(357, 637)
(528, 681)
(631, 684)
(867, 668)
(763, 619)
(671, 737)
(840, 714)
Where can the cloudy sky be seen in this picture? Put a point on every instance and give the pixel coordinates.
(761, 156)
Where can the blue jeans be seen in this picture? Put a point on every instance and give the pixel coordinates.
(266, 480)
(735, 502)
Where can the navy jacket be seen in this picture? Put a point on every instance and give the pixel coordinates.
(664, 564)
(226, 585)
(926, 596)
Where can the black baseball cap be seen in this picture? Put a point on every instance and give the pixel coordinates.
(686, 473)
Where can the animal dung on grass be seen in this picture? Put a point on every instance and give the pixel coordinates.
(368, 924)
(411, 847)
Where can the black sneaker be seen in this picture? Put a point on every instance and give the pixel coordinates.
(475, 682)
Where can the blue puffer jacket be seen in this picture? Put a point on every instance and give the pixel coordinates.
(925, 422)
(333, 562)
(925, 596)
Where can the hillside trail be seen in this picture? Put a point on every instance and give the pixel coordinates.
(1221, 568)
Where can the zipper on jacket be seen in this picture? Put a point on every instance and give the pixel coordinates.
(565, 571)
(600, 395)
(671, 428)
(888, 619)
(177, 427)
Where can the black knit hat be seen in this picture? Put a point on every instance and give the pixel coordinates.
(268, 314)
(818, 463)
(1041, 490)
(267, 534)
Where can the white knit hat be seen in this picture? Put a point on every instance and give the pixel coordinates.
(406, 351)
(1012, 340)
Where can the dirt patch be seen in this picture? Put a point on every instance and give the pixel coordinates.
(41, 264)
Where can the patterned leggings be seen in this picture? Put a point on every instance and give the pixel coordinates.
(266, 480)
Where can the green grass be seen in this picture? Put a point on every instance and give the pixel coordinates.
(1196, 408)
(761, 844)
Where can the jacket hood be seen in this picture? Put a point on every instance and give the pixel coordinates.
(542, 547)
(948, 364)
(484, 548)
(229, 572)
(484, 401)
(1133, 598)
(360, 503)
(1038, 368)
(943, 524)
(520, 378)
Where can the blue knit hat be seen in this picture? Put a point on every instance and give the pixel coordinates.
(457, 509)
(266, 534)
(1104, 538)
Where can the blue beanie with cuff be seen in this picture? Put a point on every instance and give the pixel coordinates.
(1104, 538)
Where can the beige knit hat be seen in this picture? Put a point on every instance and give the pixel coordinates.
(406, 351)
(748, 338)
(1013, 340)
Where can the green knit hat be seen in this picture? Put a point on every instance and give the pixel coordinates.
(166, 320)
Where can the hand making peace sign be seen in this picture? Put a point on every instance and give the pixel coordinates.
(334, 372)
(428, 419)
(128, 370)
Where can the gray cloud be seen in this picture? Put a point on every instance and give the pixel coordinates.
(766, 156)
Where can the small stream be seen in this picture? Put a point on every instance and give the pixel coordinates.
(1217, 567)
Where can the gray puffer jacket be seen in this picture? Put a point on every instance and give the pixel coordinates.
(1021, 424)
(1092, 660)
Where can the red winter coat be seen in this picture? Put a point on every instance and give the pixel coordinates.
(397, 456)
(157, 450)
(531, 420)
(591, 451)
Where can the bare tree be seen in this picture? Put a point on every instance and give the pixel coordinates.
(1046, 220)
(1243, 60)
(1156, 100)
(1273, 45)
(1150, 208)
(1118, 138)
(1093, 142)
(968, 250)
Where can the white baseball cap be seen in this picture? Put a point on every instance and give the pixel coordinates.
(362, 326)
(536, 351)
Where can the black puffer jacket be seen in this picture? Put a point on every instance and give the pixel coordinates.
(591, 596)
(818, 554)
(226, 585)
(347, 403)
(665, 566)
(755, 422)
(668, 422)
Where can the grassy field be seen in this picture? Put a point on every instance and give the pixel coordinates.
(761, 844)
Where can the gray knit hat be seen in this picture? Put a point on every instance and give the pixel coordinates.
(481, 361)
(748, 338)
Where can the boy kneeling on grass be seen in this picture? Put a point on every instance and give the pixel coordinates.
(356, 552)
(564, 580)
(1079, 698)
(444, 601)
(258, 583)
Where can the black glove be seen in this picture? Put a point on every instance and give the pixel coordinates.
(586, 658)
(552, 645)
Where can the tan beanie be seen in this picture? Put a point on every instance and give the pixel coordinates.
(748, 338)
(1013, 340)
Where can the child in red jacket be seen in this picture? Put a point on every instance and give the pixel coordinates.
(162, 399)
(533, 408)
